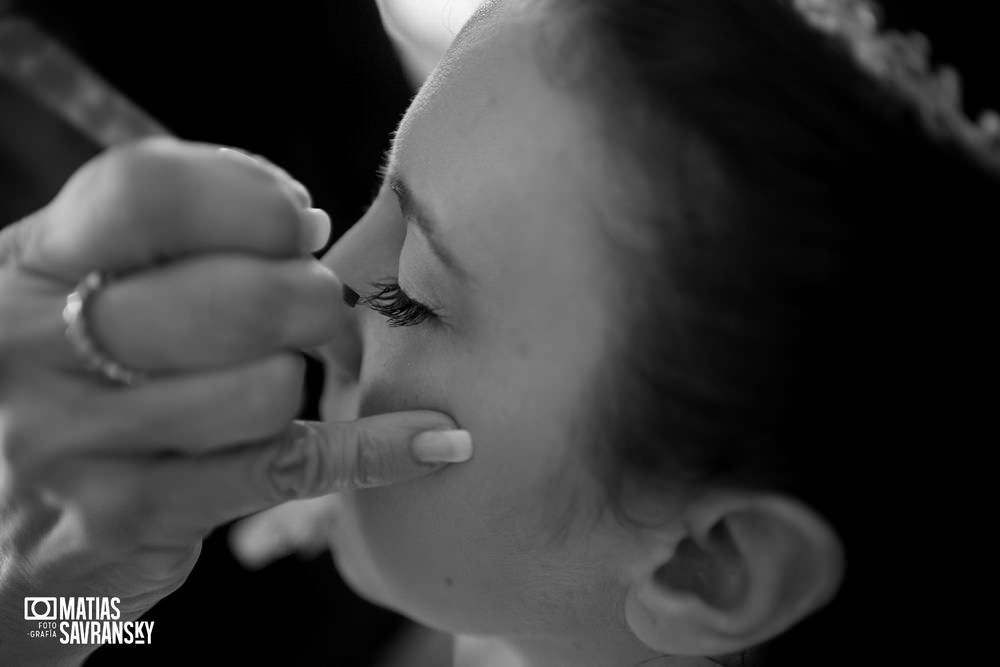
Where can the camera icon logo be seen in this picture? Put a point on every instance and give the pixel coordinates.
(40, 609)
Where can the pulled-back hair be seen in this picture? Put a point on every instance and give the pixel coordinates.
(809, 303)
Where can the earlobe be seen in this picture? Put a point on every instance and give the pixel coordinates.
(746, 568)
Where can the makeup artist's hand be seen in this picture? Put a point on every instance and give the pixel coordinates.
(108, 490)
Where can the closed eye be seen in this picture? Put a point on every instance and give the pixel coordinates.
(389, 300)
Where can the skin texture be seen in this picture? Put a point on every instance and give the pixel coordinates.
(109, 489)
(523, 192)
(506, 168)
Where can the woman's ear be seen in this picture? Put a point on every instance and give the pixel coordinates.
(744, 568)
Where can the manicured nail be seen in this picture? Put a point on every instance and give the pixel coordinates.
(443, 447)
(316, 229)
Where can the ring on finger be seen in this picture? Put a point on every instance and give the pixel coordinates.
(79, 332)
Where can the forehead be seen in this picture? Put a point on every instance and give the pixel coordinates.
(488, 76)
(512, 169)
(490, 115)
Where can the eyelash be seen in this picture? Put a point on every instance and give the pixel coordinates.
(389, 300)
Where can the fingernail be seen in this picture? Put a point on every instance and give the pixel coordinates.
(315, 229)
(443, 447)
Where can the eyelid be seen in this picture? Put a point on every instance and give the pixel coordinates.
(419, 296)
(414, 215)
(392, 301)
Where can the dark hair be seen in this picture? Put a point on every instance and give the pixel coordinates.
(810, 302)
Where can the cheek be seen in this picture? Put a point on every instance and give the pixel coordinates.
(460, 549)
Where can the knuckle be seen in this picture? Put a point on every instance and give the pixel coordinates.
(134, 508)
(279, 198)
(371, 460)
(100, 534)
(272, 184)
(296, 468)
(134, 176)
(280, 205)
(115, 514)
(150, 162)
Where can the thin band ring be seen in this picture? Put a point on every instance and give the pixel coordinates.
(80, 335)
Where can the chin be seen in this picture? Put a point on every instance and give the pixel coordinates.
(359, 581)
(351, 559)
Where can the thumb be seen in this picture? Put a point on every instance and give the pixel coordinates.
(323, 458)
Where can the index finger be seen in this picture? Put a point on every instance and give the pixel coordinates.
(162, 199)
(308, 461)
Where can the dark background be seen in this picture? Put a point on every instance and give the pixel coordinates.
(315, 87)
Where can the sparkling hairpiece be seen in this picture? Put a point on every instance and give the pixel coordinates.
(902, 62)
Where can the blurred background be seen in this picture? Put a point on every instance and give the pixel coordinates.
(316, 87)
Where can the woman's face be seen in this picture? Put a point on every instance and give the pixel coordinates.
(499, 231)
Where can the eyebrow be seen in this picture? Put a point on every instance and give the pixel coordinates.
(414, 211)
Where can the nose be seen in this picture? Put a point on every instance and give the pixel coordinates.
(367, 252)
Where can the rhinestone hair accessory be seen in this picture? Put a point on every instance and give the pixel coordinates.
(902, 62)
